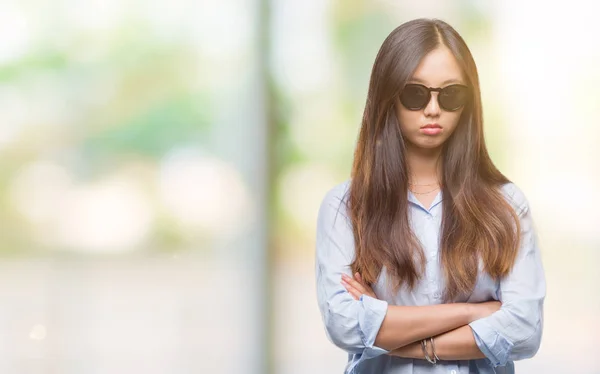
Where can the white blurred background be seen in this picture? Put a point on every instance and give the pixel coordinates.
(162, 164)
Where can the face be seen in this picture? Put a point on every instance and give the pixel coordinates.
(438, 69)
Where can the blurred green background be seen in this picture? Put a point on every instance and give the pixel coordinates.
(162, 164)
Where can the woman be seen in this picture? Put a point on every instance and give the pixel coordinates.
(427, 260)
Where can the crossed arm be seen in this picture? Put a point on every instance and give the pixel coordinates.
(446, 323)
(457, 344)
(508, 332)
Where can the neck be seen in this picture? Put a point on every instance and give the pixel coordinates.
(424, 165)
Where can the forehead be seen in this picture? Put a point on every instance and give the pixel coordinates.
(438, 68)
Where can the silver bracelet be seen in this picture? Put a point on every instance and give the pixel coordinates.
(433, 350)
(424, 348)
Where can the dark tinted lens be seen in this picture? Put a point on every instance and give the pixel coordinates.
(453, 97)
(414, 96)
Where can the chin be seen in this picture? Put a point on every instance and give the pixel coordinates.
(428, 143)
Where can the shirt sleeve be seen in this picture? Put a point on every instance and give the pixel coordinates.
(350, 324)
(515, 331)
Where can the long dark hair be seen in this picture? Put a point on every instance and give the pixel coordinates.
(477, 223)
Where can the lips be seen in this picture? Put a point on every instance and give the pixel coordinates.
(431, 129)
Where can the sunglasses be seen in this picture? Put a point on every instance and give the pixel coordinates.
(450, 98)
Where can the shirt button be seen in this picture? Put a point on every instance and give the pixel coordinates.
(453, 372)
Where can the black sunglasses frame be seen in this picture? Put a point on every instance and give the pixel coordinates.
(439, 91)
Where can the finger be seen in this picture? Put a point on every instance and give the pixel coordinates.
(355, 293)
(359, 278)
(366, 287)
(354, 283)
(351, 290)
(347, 285)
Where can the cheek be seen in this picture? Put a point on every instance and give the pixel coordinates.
(408, 119)
(452, 120)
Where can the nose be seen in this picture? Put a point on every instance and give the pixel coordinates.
(433, 107)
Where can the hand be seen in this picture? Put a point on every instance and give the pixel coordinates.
(357, 287)
(482, 310)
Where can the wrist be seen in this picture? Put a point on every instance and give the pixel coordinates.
(470, 313)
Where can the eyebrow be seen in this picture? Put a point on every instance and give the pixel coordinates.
(447, 81)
